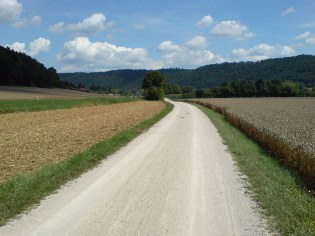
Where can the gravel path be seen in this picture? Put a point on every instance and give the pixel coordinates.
(175, 179)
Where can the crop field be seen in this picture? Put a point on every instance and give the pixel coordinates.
(7, 92)
(30, 140)
(284, 126)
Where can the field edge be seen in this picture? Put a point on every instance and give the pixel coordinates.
(288, 208)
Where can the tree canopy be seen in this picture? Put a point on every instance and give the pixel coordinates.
(22, 70)
(153, 85)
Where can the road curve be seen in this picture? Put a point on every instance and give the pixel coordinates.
(175, 179)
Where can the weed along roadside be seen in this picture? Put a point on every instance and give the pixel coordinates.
(289, 209)
(21, 192)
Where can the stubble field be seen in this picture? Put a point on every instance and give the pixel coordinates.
(284, 126)
(30, 140)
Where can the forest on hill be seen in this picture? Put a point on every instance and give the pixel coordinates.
(19, 69)
(299, 68)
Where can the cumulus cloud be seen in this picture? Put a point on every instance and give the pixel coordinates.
(90, 25)
(57, 28)
(189, 55)
(198, 42)
(35, 20)
(35, 47)
(80, 54)
(169, 46)
(262, 52)
(307, 37)
(9, 10)
(17, 46)
(205, 21)
(39, 45)
(288, 11)
(233, 29)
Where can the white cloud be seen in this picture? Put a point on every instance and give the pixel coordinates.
(205, 21)
(57, 28)
(35, 47)
(189, 55)
(80, 54)
(39, 45)
(233, 29)
(288, 11)
(17, 46)
(305, 35)
(169, 46)
(9, 10)
(35, 20)
(198, 42)
(91, 25)
(262, 52)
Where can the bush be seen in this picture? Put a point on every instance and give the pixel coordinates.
(153, 93)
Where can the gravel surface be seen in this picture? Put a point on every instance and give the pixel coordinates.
(29, 140)
(175, 179)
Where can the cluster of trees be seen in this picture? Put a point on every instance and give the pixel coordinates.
(259, 88)
(21, 70)
(153, 85)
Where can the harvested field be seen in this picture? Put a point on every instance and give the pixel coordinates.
(30, 140)
(284, 126)
(8, 92)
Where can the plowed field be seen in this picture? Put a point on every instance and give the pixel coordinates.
(29, 140)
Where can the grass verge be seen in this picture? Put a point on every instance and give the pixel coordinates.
(21, 192)
(23, 105)
(288, 207)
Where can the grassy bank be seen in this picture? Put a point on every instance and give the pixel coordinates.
(10, 106)
(289, 208)
(21, 192)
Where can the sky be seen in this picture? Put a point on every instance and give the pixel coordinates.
(102, 35)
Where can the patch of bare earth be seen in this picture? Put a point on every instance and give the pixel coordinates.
(30, 140)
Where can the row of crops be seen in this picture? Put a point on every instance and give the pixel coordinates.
(283, 126)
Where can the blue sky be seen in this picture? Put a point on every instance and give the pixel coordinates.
(94, 35)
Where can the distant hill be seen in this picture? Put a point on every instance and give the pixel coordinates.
(299, 68)
(19, 69)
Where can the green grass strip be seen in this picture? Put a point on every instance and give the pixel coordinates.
(21, 192)
(24, 105)
(288, 207)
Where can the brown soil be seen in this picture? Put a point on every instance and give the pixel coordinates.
(30, 140)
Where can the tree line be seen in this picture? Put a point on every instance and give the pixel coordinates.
(258, 88)
(19, 69)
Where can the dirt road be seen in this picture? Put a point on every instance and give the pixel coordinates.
(175, 179)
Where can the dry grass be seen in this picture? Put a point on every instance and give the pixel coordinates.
(284, 126)
(29, 140)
